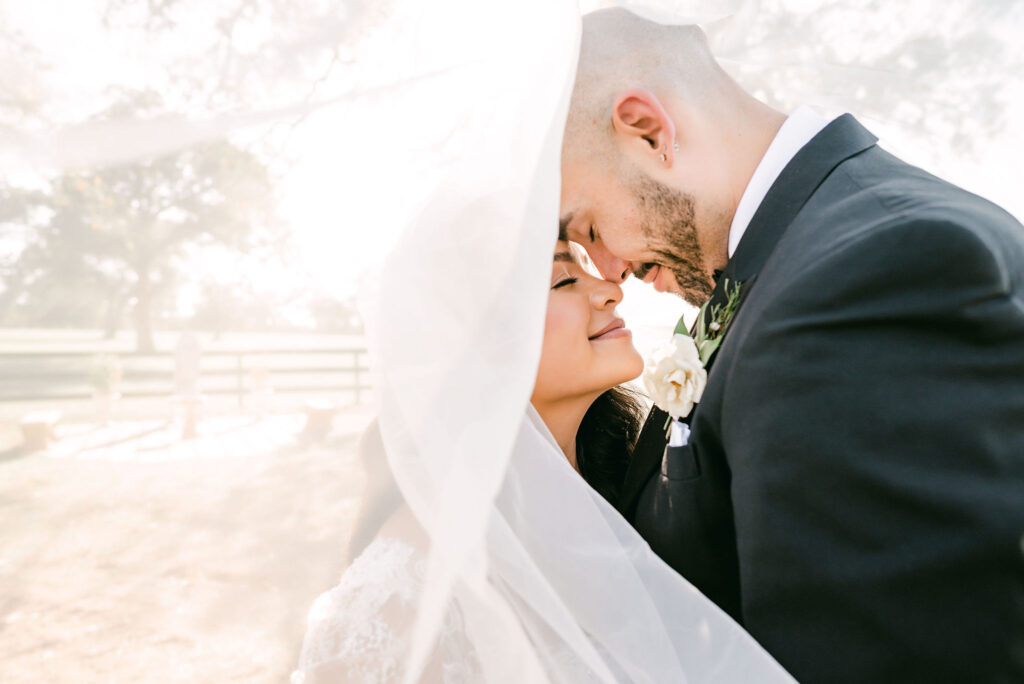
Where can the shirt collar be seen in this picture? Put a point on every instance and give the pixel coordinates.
(796, 131)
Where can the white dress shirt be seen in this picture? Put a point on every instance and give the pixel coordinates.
(796, 131)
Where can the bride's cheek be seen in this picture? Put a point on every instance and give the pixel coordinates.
(549, 348)
(561, 346)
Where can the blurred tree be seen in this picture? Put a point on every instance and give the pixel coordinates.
(254, 53)
(22, 89)
(335, 315)
(120, 230)
(88, 246)
(237, 306)
(943, 73)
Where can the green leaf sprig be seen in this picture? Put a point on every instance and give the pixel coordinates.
(708, 337)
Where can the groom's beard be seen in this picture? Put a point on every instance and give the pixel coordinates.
(667, 221)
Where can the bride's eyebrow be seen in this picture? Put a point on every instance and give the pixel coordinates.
(564, 257)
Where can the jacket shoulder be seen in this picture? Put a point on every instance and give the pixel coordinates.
(879, 220)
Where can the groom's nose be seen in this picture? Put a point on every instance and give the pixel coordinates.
(611, 267)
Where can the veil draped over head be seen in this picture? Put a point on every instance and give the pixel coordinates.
(436, 134)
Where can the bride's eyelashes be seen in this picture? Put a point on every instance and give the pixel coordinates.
(563, 283)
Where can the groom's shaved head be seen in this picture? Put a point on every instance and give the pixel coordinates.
(621, 51)
(659, 146)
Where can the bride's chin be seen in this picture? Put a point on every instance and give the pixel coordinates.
(632, 366)
(636, 372)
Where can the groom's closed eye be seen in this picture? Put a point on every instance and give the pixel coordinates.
(641, 271)
(563, 228)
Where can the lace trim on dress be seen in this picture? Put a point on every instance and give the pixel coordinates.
(359, 631)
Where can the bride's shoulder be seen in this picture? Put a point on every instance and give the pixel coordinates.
(359, 630)
(388, 566)
(393, 563)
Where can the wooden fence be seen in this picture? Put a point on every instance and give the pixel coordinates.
(56, 376)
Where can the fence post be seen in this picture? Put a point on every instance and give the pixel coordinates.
(355, 372)
(239, 382)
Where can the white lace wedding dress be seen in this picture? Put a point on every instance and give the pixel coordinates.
(360, 630)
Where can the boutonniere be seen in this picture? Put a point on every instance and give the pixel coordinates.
(711, 329)
(675, 374)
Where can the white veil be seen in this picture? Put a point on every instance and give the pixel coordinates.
(446, 120)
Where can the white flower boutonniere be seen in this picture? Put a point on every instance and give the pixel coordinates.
(675, 375)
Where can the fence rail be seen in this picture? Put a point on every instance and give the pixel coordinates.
(59, 376)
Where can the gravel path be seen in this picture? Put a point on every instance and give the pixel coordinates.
(128, 555)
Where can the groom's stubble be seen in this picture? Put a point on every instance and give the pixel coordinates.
(668, 223)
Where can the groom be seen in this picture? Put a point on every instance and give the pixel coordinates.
(851, 489)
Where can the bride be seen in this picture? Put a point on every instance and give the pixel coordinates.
(359, 631)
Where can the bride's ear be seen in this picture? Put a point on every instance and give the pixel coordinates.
(640, 118)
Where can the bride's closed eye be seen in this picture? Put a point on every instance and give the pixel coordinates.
(569, 280)
(564, 262)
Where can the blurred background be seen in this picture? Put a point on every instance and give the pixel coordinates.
(187, 198)
(179, 395)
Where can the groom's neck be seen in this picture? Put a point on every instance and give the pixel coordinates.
(747, 136)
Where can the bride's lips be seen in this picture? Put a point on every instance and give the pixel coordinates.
(617, 328)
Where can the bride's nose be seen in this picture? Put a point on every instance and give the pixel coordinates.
(605, 294)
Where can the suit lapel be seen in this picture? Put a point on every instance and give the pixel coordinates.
(812, 164)
(840, 140)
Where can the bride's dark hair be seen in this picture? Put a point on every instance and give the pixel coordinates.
(604, 444)
(605, 439)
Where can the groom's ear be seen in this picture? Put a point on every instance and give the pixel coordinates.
(640, 117)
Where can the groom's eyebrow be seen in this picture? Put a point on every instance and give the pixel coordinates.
(564, 256)
(563, 227)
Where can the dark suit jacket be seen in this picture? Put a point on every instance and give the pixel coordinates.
(853, 489)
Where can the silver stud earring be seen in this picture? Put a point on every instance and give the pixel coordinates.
(675, 146)
(662, 156)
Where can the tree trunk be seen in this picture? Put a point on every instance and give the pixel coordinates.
(143, 313)
(112, 316)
